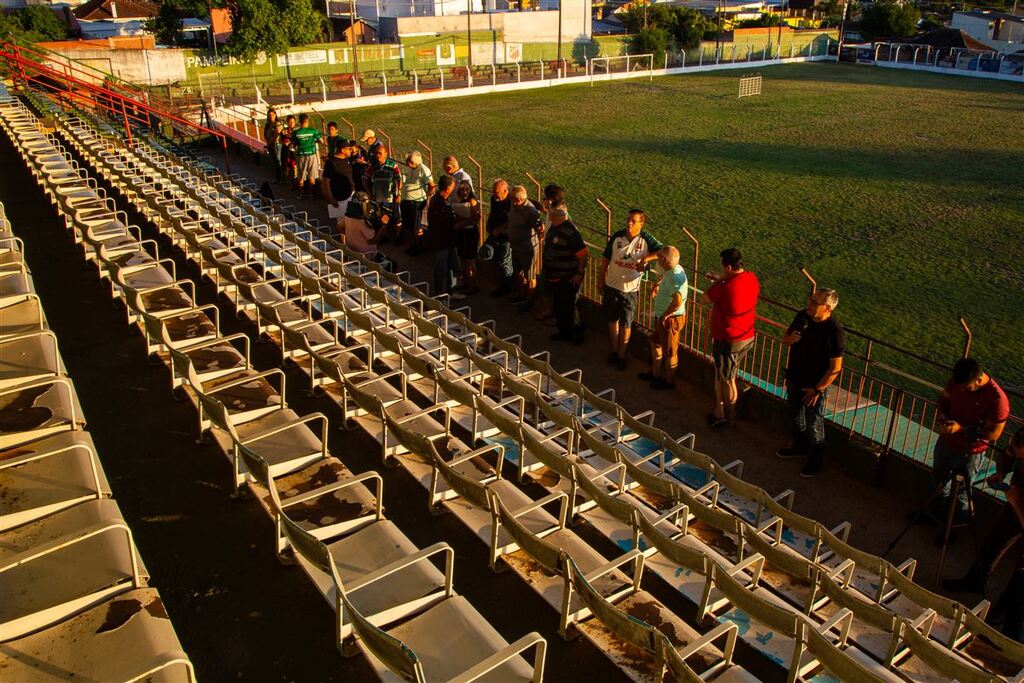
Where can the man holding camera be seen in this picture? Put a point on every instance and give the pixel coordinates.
(1006, 531)
(972, 413)
(816, 342)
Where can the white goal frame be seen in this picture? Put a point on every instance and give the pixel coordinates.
(750, 85)
(603, 65)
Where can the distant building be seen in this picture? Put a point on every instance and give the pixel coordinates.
(1001, 31)
(107, 18)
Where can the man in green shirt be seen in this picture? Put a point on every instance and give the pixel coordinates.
(306, 140)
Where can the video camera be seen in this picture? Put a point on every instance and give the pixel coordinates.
(377, 215)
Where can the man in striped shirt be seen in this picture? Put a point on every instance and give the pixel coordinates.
(565, 261)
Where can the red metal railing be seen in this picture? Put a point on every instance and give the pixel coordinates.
(76, 87)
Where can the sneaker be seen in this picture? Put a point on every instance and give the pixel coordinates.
(811, 469)
(613, 358)
(661, 385)
(647, 376)
(790, 453)
(620, 363)
(719, 423)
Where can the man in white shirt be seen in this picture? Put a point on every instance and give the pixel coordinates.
(452, 168)
(623, 265)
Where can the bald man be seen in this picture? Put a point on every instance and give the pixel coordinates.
(670, 308)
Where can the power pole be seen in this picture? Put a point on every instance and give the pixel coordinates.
(560, 33)
(718, 37)
(213, 38)
(352, 39)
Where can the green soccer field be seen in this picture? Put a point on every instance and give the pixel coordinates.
(904, 191)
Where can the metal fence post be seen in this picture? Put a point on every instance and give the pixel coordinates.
(608, 214)
(700, 60)
(380, 131)
(323, 86)
(494, 75)
(291, 90)
(430, 154)
(352, 126)
(480, 190)
(384, 78)
(683, 62)
(542, 69)
(415, 81)
(969, 337)
(441, 70)
(519, 72)
(536, 183)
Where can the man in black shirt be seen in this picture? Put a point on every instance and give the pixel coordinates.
(440, 238)
(565, 262)
(816, 342)
(338, 183)
(497, 234)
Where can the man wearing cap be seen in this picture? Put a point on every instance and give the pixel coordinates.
(306, 140)
(338, 183)
(372, 143)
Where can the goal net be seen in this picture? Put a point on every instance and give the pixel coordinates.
(750, 84)
(621, 64)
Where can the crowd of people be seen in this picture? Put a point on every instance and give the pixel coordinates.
(542, 258)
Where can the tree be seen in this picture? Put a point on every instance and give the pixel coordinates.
(690, 27)
(166, 25)
(35, 23)
(300, 22)
(257, 29)
(684, 24)
(889, 19)
(652, 40)
(763, 21)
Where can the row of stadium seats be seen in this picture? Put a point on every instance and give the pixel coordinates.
(449, 367)
(76, 603)
(949, 623)
(379, 571)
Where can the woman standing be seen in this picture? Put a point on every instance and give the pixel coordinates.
(271, 136)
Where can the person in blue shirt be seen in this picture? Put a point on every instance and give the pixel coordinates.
(669, 308)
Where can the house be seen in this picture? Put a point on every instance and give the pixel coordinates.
(364, 30)
(1001, 31)
(106, 18)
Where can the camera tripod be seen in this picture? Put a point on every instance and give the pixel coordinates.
(958, 480)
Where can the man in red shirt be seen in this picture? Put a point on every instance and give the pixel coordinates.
(733, 296)
(972, 412)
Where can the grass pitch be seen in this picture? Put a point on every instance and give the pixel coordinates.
(904, 191)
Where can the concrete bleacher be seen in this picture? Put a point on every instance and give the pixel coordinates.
(76, 603)
(457, 407)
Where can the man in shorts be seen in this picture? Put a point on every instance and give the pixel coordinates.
(307, 160)
(338, 183)
(670, 315)
(525, 231)
(623, 265)
(732, 296)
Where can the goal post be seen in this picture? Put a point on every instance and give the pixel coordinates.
(750, 84)
(600, 66)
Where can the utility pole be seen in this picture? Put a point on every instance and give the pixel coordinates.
(718, 37)
(352, 41)
(213, 38)
(560, 33)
